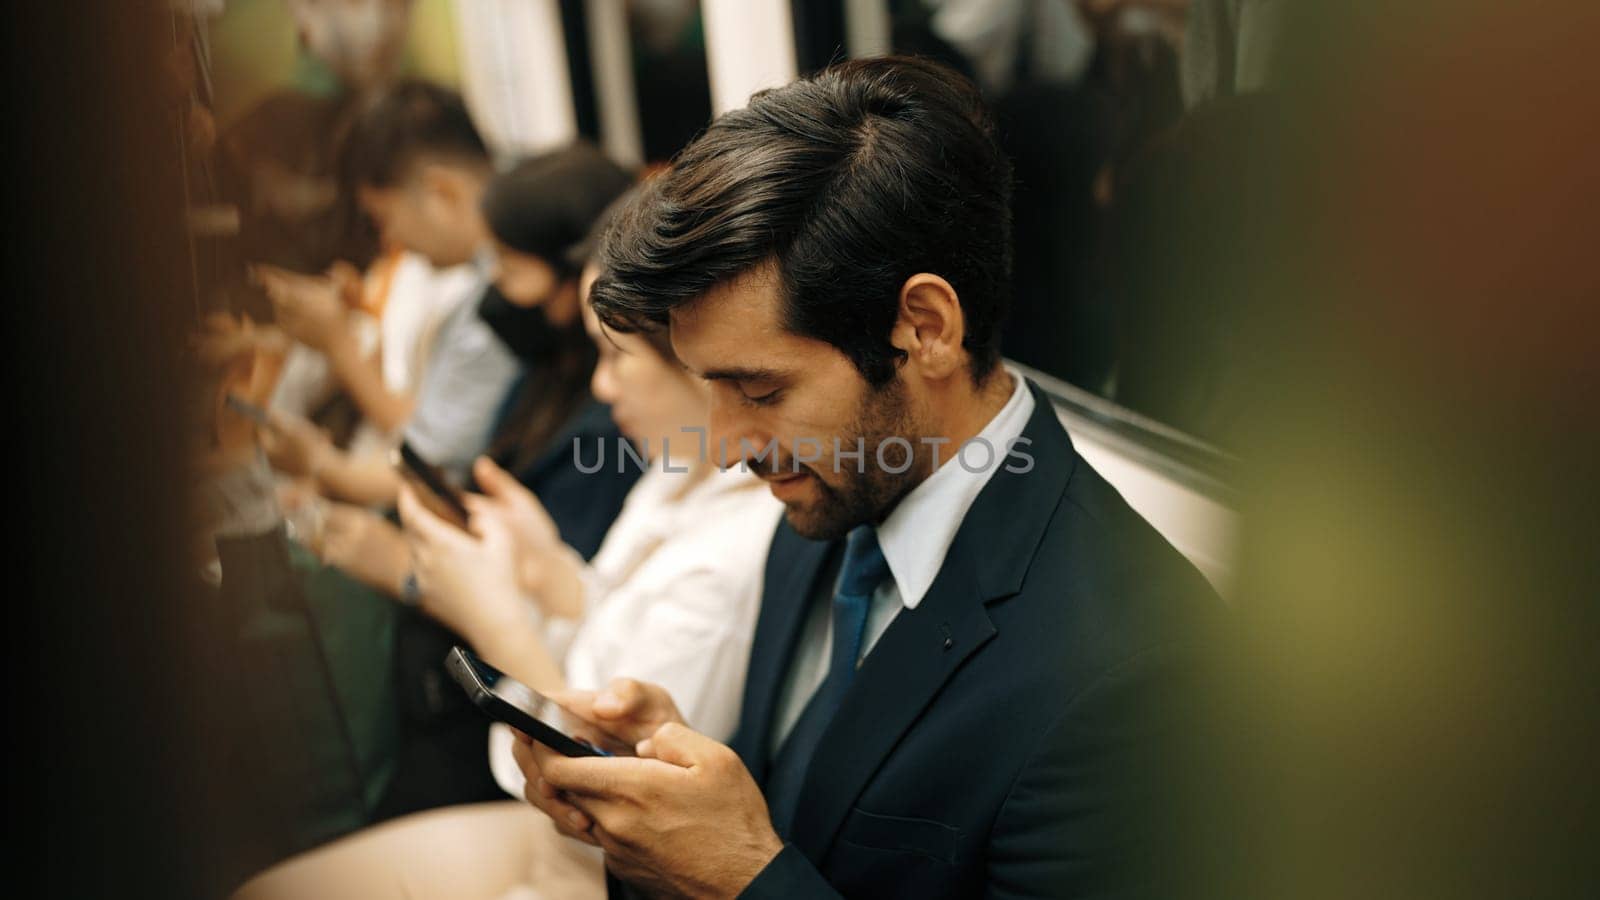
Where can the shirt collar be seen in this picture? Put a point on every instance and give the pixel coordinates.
(918, 532)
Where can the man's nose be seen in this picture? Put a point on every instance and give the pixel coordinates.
(731, 435)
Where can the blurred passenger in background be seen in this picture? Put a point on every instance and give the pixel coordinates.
(1190, 221)
(279, 162)
(536, 218)
(671, 598)
(364, 337)
(418, 746)
(419, 168)
(1078, 88)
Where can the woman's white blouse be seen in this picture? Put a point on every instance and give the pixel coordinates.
(672, 598)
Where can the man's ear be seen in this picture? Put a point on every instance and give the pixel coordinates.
(930, 326)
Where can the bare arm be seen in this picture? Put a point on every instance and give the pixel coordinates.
(362, 378)
(364, 481)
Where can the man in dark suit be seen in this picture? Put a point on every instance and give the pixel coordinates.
(974, 670)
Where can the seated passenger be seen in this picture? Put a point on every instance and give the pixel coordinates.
(420, 169)
(367, 335)
(540, 213)
(420, 747)
(976, 668)
(670, 598)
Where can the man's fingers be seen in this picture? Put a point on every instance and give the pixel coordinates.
(621, 699)
(568, 819)
(577, 702)
(679, 745)
(583, 724)
(589, 778)
(631, 710)
(536, 754)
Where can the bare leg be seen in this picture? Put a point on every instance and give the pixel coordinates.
(488, 851)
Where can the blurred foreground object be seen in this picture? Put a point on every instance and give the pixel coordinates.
(1417, 707)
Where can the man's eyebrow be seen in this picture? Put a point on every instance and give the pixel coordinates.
(740, 374)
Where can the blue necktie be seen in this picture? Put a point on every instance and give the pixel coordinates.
(864, 568)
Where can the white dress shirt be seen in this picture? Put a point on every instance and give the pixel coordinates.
(672, 598)
(914, 537)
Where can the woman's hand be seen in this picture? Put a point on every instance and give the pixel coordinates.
(546, 569)
(467, 581)
(365, 545)
(514, 505)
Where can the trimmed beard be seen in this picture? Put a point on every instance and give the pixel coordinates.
(866, 497)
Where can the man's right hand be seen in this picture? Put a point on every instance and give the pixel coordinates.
(624, 712)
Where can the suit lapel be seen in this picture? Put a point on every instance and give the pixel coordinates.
(923, 647)
(793, 566)
(902, 674)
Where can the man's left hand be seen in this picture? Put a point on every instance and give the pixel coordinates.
(683, 818)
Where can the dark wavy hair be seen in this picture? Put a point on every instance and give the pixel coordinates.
(850, 181)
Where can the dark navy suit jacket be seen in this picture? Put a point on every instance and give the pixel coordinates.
(1024, 731)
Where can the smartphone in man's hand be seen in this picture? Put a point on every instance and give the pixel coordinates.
(508, 700)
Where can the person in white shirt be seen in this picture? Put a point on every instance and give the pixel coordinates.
(376, 351)
(671, 598)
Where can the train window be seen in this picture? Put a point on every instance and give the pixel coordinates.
(286, 77)
(264, 48)
(671, 81)
(1125, 182)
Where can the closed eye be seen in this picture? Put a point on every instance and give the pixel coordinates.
(767, 399)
